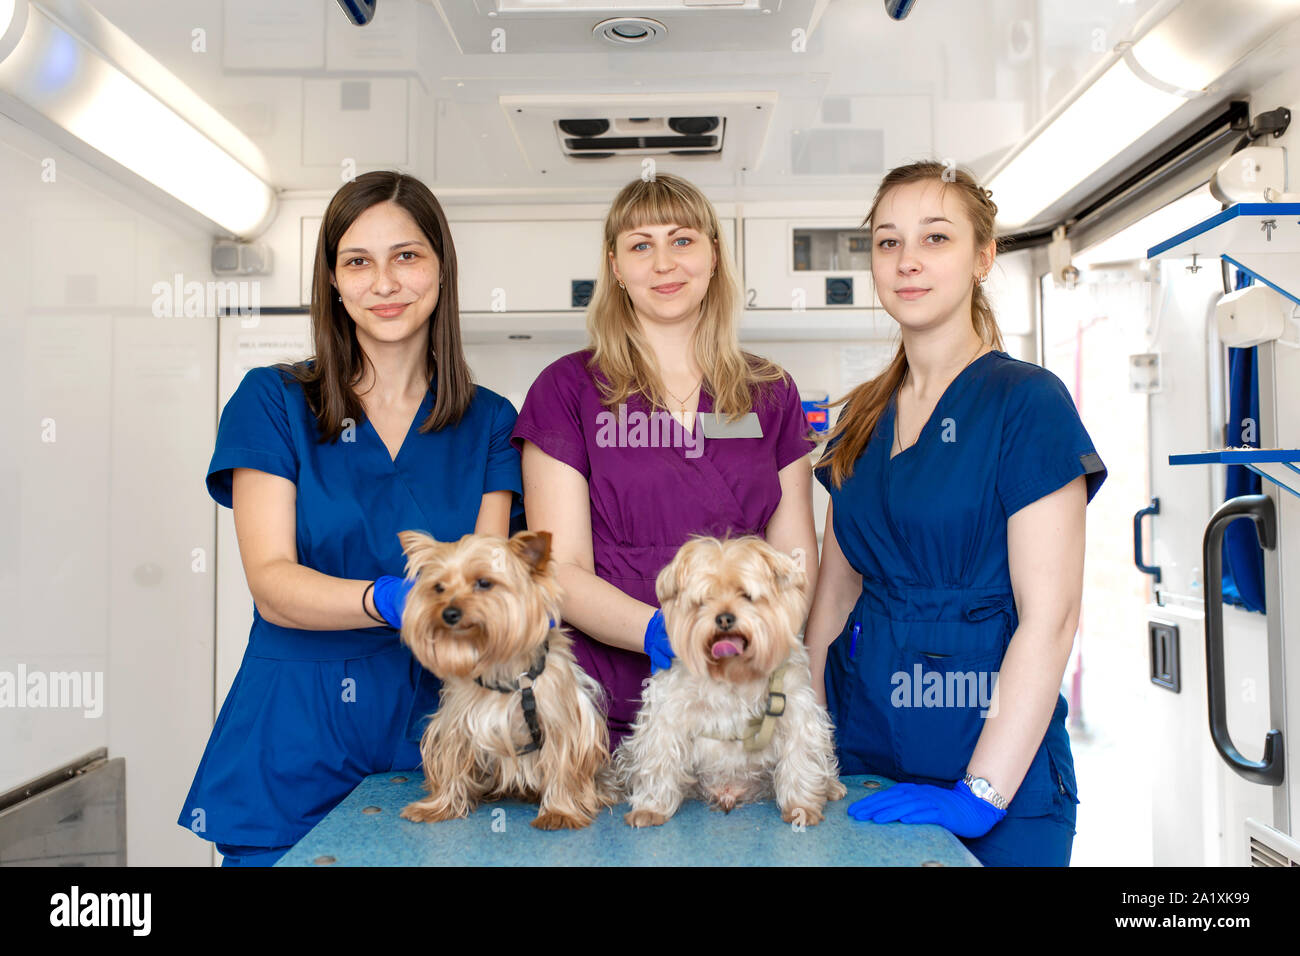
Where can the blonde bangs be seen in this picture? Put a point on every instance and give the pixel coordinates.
(620, 351)
(657, 202)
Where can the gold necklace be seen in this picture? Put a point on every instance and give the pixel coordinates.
(681, 401)
(898, 443)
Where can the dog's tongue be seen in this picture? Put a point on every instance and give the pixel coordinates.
(726, 648)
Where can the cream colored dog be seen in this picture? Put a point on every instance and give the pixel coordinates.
(735, 718)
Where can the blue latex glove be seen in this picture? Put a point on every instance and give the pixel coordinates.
(957, 810)
(390, 597)
(656, 644)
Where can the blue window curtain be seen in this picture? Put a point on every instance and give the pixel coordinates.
(1243, 559)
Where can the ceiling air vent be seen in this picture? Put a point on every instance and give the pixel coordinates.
(624, 30)
(724, 128)
(640, 136)
(706, 27)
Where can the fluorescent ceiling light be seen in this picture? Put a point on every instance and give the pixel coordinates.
(59, 75)
(1109, 115)
(1201, 39)
(1194, 43)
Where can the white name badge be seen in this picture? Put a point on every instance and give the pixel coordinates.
(715, 426)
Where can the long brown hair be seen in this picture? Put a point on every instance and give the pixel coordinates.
(620, 351)
(339, 360)
(864, 405)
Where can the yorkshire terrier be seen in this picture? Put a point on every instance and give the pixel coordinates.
(517, 716)
(735, 719)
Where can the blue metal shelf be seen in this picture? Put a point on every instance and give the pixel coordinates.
(1278, 465)
(1259, 238)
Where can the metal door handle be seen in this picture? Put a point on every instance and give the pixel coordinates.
(1153, 509)
(1259, 509)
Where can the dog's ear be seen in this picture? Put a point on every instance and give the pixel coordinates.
(672, 579)
(533, 548)
(787, 572)
(418, 547)
(790, 578)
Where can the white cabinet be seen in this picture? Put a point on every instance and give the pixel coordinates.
(524, 266)
(797, 264)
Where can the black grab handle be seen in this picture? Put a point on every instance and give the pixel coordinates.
(1259, 509)
(1153, 509)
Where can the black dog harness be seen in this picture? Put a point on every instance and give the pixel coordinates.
(524, 684)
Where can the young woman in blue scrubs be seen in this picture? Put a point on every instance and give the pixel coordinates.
(324, 463)
(952, 562)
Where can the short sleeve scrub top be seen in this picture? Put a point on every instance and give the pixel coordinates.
(909, 676)
(311, 713)
(647, 499)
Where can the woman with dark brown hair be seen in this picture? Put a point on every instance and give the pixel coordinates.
(952, 564)
(324, 462)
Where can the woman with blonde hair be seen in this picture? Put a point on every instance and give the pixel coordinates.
(661, 428)
(952, 562)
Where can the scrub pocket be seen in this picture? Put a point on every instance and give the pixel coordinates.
(857, 695)
(940, 693)
(841, 680)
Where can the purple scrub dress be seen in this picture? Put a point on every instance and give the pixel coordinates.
(647, 500)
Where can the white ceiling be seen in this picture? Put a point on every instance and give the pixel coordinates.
(962, 79)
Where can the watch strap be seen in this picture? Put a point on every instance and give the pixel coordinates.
(984, 790)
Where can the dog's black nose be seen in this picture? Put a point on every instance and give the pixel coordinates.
(725, 621)
(451, 614)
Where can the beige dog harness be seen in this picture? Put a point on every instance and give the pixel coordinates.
(759, 730)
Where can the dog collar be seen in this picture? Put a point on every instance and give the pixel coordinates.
(759, 730)
(524, 684)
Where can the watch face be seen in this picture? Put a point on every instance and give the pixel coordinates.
(984, 790)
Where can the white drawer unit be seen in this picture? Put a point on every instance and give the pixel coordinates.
(797, 264)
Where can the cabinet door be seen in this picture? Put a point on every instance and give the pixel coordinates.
(524, 266)
(807, 263)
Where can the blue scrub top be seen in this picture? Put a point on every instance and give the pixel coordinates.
(311, 713)
(910, 673)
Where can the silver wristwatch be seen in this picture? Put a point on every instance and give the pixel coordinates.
(984, 790)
